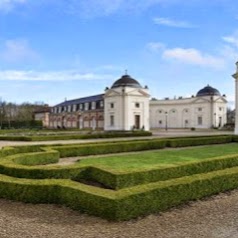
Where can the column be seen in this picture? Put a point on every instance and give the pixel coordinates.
(235, 76)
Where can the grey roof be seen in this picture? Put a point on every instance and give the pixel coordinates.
(208, 91)
(94, 98)
(126, 81)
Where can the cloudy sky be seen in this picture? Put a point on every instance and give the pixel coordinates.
(56, 49)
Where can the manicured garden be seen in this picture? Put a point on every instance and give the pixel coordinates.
(157, 176)
(64, 134)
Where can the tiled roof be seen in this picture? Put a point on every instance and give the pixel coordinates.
(94, 98)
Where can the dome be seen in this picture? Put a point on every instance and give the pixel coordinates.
(208, 91)
(126, 81)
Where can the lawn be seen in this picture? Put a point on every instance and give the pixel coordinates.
(163, 158)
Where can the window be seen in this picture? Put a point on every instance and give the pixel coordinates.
(160, 111)
(74, 107)
(186, 122)
(137, 105)
(112, 120)
(199, 120)
(112, 105)
(93, 106)
(81, 106)
(86, 106)
(101, 104)
(220, 108)
(199, 109)
(160, 122)
(69, 108)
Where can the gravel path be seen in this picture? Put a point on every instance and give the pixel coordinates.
(216, 217)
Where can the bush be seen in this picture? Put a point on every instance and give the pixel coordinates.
(182, 142)
(119, 205)
(120, 180)
(107, 148)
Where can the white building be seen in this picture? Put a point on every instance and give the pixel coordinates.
(206, 110)
(127, 105)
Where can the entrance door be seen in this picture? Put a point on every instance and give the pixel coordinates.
(137, 121)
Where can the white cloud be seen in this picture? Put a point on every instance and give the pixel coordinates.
(172, 23)
(155, 46)
(232, 39)
(8, 5)
(193, 56)
(18, 50)
(64, 75)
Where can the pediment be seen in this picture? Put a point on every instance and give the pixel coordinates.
(221, 100)
(201, 100)
(138, 92)
(112, 93)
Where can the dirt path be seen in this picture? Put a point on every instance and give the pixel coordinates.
(216, 217)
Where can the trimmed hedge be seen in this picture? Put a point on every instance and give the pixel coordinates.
(107, 148)
(119, 205)
(120, 180)
(182, 142)
(37, 158)
(76, 136)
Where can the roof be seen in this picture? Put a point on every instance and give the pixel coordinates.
(208, 91)
(42, 109)
(94, 98)
(126, 81)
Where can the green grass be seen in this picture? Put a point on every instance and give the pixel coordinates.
(164, 158)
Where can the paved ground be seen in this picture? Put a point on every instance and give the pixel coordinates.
(216, 217)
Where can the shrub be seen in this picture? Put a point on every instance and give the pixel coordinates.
(182, 142)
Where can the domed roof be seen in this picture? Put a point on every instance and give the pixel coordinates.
(126, 81)
(208, 91)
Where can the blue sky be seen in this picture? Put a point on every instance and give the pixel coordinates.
(56, 49)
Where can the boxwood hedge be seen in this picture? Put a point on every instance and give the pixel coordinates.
(138, 193)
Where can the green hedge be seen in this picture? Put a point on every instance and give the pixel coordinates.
(195, 141)
(152, 198)
(119, 180)
(124, 204)
(107, 148)
(75, 136)
(37, 158)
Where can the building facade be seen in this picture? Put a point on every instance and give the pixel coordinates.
(206, 110)
(126, 105)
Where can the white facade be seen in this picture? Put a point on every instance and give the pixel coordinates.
(126, 108)
(197, 112)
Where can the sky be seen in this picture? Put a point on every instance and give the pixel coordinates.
(52, 50)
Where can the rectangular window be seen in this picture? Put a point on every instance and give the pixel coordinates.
(111, 120)
(93, 105)
(160, 122)
(111, 105)
(101, 104)
(74, 107)
(199, 109)
(69, 108)
(199, 120)
(81, 107)
(86, 106)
